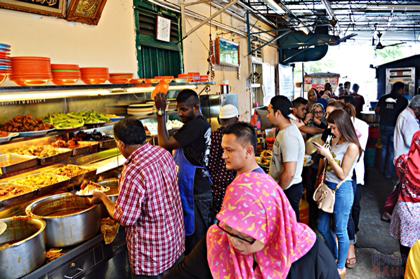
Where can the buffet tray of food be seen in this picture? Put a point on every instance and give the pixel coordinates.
(105, 141)
(85, 147)
(78, 147)
(76, 173)
(42, 181)
(46, 153)
(63, 153)
(15, 162)
(12, 194)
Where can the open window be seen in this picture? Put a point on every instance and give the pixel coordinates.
(157, 57)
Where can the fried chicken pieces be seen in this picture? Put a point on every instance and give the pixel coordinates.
(3, 134)
(25, 123)
(64, 144)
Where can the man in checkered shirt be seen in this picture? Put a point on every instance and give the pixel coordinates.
(148, 204)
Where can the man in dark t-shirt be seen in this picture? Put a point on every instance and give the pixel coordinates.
(192, 149)
(358, 99)
(389, 107)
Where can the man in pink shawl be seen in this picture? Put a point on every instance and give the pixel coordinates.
(256, 235)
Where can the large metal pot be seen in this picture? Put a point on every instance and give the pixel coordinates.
(369, 116)
(112, 183)
(22, 246)
(70, 219)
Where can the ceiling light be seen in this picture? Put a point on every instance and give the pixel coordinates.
(396, 7)
(302, 28)
(43, 95)
(273, 5)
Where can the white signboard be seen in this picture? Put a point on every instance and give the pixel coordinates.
(286, 85)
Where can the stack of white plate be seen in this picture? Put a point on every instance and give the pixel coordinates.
(172, 104)
(118, 109)
(140, 109)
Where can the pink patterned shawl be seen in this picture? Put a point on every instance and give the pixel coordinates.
(255, 205)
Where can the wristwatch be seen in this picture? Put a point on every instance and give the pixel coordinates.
(160, 112)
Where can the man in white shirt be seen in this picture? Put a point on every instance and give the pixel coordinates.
(288, 151)
(407, 124)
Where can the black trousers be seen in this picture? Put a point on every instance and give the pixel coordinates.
(293, 194)
(159, 276)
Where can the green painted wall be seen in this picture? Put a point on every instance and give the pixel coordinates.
(156, 58)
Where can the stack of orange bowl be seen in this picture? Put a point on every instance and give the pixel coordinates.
(94, 75)
(152, 80)
(136, 80)
(204, 77)
(65, 74)
(188, 77)
(195, 75)
(30, 70)
(167, 79)
(4, 61)
(120, 78)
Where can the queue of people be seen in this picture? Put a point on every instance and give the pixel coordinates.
(210, 211)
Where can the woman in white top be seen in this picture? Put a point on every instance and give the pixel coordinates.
(341, 161)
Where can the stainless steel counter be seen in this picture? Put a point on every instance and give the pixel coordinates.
(91, 259)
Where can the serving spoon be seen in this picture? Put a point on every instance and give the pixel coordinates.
(3, 227)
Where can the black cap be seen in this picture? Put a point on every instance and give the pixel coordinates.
(283, 104)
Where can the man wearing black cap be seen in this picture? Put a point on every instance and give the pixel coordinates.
(288, 151)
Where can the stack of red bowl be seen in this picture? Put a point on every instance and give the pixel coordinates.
(30, 70)
(65, 74)
(94, 75)
(120, 78)
(4, 61)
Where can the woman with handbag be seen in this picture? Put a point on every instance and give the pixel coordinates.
(340, 163)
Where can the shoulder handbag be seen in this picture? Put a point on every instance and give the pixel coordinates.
(324, 196)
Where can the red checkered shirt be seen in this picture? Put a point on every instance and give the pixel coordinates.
(149, 206)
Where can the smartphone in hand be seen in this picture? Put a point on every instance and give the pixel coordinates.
(316, 144)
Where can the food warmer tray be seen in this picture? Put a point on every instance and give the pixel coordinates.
(48, 188)
(18, 198)
(66, 153)
(107, 144)
(74, 179)
(85, 147)
(15, 162)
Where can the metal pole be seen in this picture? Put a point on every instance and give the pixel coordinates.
(183, 21)
(272, 40)
(209, 18)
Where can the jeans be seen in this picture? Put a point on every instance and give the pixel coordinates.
(340, 216)
(203, 219)
(293, 194)
(353, 225)
(387, 141)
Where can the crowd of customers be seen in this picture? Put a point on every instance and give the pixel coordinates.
(221, 216)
